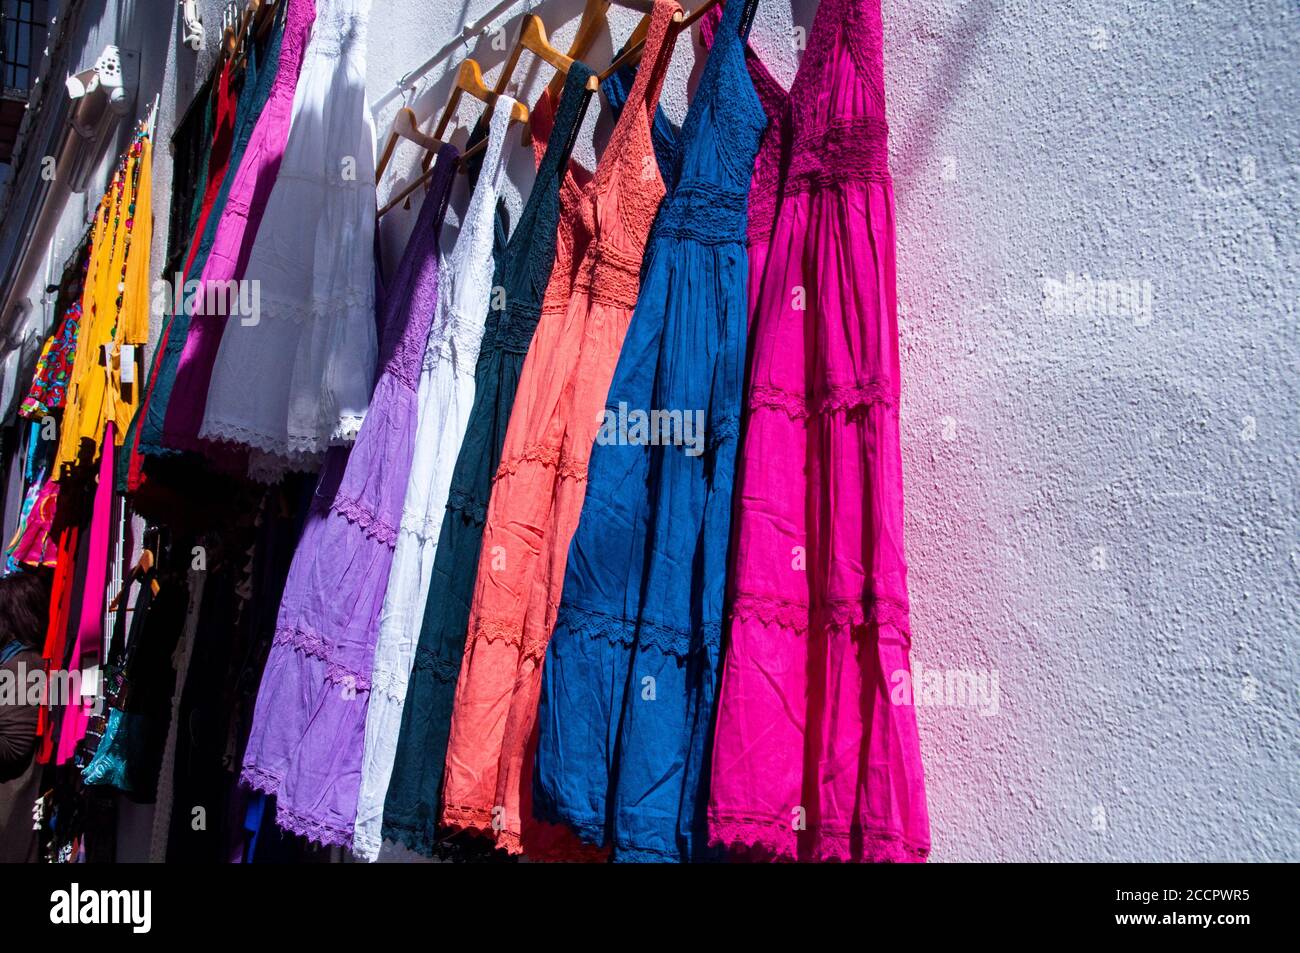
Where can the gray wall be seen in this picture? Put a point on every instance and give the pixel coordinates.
(1101, 504)
(1100, 470)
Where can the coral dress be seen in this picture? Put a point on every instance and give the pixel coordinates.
(542, 479)
(812, 759)
(630, 677)
(538, 269)
(448, 393)
(306, 742)
(414, 754)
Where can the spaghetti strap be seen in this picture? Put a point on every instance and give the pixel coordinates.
(649, 83)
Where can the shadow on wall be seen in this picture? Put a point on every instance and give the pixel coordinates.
(958, 46)
(490, 50)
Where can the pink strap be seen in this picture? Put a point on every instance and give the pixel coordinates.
(649, 82)
(86, 651)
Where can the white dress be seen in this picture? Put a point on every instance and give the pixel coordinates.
(298, 380)
(446, 395)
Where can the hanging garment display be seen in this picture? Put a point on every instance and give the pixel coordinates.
(194, 144)
(282, 58)
(629, 681)
(523, 269)
(34, 542)
(54, 367)
(447, 396)
(89, 631)
(103, 385)
(312, 343)
(293, 127)
(309, 725)
(812, 760)
(540, 483)
(222, 138)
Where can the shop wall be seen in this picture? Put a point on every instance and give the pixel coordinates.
(1096, 210)
(1101, 507)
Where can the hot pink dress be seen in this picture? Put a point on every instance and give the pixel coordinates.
(813, 757)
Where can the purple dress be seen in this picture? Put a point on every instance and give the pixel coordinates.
(309, 723)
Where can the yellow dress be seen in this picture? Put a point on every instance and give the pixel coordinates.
(115, 311)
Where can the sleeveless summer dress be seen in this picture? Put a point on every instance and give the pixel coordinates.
(261, 127)
(309, 723)
(313, 347)
(629, 682)
(541, 480)
(219, 130)
(447, 394)
(812, 760)
(525, 270)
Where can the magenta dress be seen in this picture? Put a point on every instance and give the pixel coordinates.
(816, 755)
(309, 724)
(235, 234)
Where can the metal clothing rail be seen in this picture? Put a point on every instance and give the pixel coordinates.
(502, 11)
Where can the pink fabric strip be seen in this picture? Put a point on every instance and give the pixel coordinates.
(233, 243)
(87, 652)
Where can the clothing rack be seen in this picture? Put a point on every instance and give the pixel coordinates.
(407, 81)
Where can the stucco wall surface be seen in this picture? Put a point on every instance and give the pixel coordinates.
(1097, 207)
(1097, 248)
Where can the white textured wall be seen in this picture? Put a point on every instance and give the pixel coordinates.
(1101, 504)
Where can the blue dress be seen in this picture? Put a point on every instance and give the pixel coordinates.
(629, 681)
(411, 806)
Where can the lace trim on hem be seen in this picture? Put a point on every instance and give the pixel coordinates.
(365, 518)
(409, 836)
(444, 670)
(837, 399)
(425, 839)
(260, 779)
(677, 641)
(425, 529)
(589, 830)
(798, 617)
(390, 684)
(468, 504)
(310, 829)
(530, 646)
(548, 457)
(459, 817)
(313, 644)
(366, 849)
(280, 457)
(765, 839)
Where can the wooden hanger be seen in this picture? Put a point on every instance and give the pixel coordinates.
(138, 571)
(632, 52)
(532, 37)
(402, 196)
(594, 16)
(230, 31)
(246, 31)
(405, 126)
(469, 79)
(267, 14)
